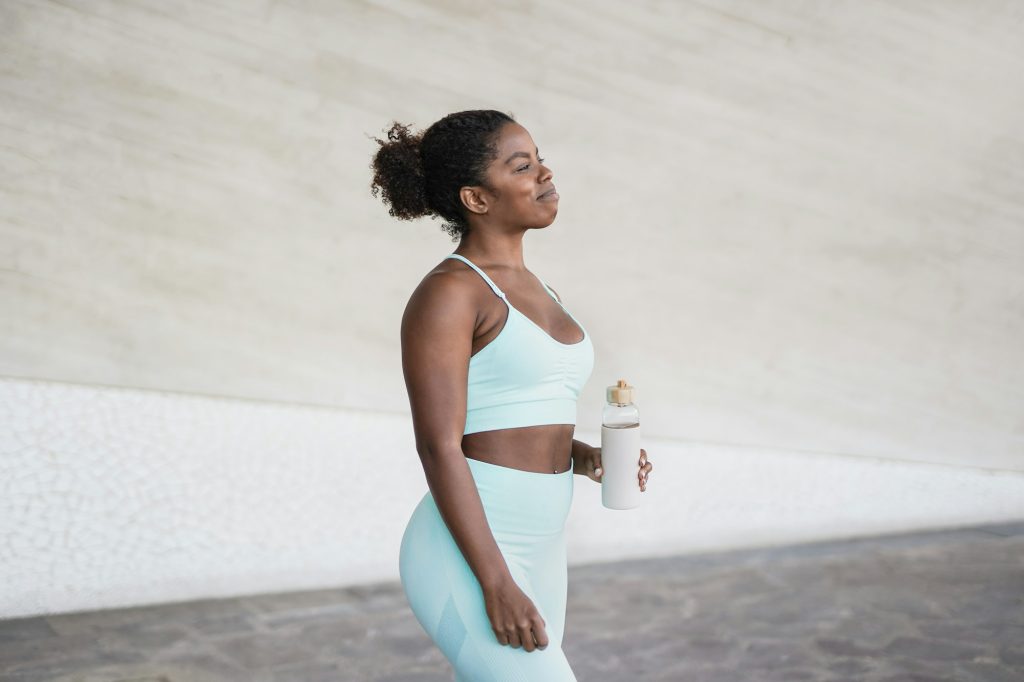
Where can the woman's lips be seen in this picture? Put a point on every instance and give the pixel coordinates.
(548, 196)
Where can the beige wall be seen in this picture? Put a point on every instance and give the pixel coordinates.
(795, 227)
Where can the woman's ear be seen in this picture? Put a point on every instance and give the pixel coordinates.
(473, 199)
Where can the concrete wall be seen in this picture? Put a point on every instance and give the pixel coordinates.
(814, 211)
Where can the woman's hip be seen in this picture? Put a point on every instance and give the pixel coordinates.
(433, 570)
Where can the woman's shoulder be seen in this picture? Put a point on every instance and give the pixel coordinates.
(443, 306)
(446, 282)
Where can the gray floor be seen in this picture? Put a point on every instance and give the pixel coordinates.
(944, 605)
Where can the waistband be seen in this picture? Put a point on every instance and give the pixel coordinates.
(523, 502)
(482, 467)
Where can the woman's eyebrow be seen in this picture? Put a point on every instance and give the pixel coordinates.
(515, 154)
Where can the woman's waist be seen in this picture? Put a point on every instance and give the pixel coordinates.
(540, 449)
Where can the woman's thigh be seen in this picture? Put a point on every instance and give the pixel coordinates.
(448, 602)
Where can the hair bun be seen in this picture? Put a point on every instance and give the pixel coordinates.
(398, 173)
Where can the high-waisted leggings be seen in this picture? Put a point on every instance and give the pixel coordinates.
(526, 512)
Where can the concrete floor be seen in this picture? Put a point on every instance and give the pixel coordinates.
(941, 605)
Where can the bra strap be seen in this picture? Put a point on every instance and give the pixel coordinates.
(550, 292)
(494, 287)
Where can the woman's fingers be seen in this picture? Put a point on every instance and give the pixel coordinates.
(532, 634)
(645, 469)
(526, 637)
(515, 620)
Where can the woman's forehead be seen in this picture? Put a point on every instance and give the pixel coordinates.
(514, 138)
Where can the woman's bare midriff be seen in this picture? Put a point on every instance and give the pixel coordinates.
(544, 449)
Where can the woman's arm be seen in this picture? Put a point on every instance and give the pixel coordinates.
(583, 457)
(437, 339)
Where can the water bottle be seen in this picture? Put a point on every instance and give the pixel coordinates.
(620, 448)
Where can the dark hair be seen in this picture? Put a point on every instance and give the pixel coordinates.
(421, 174)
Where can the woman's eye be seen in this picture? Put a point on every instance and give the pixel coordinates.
(522, 168)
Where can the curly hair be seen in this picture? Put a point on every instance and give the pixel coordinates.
(421, 174)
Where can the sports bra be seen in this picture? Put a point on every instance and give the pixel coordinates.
(524, 376)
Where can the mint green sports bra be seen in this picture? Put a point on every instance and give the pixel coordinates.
(524, 376)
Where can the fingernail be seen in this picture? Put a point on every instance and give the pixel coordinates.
(598, 471)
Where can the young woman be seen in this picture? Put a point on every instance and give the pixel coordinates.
(493, 364)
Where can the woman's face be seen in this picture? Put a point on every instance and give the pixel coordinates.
(520, 190)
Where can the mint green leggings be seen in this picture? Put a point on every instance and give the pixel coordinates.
(526, 512)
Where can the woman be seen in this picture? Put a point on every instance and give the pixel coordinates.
(493, 365)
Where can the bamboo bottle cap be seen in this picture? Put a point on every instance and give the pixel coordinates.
(621, 393)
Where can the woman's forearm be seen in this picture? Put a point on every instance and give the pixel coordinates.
(458, 501)
(580, 450)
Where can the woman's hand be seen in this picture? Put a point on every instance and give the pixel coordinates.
(591, 466)
(514, 617)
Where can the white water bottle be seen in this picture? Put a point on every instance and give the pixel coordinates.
(620, 448)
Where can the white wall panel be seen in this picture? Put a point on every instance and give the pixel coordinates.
(118, 497)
